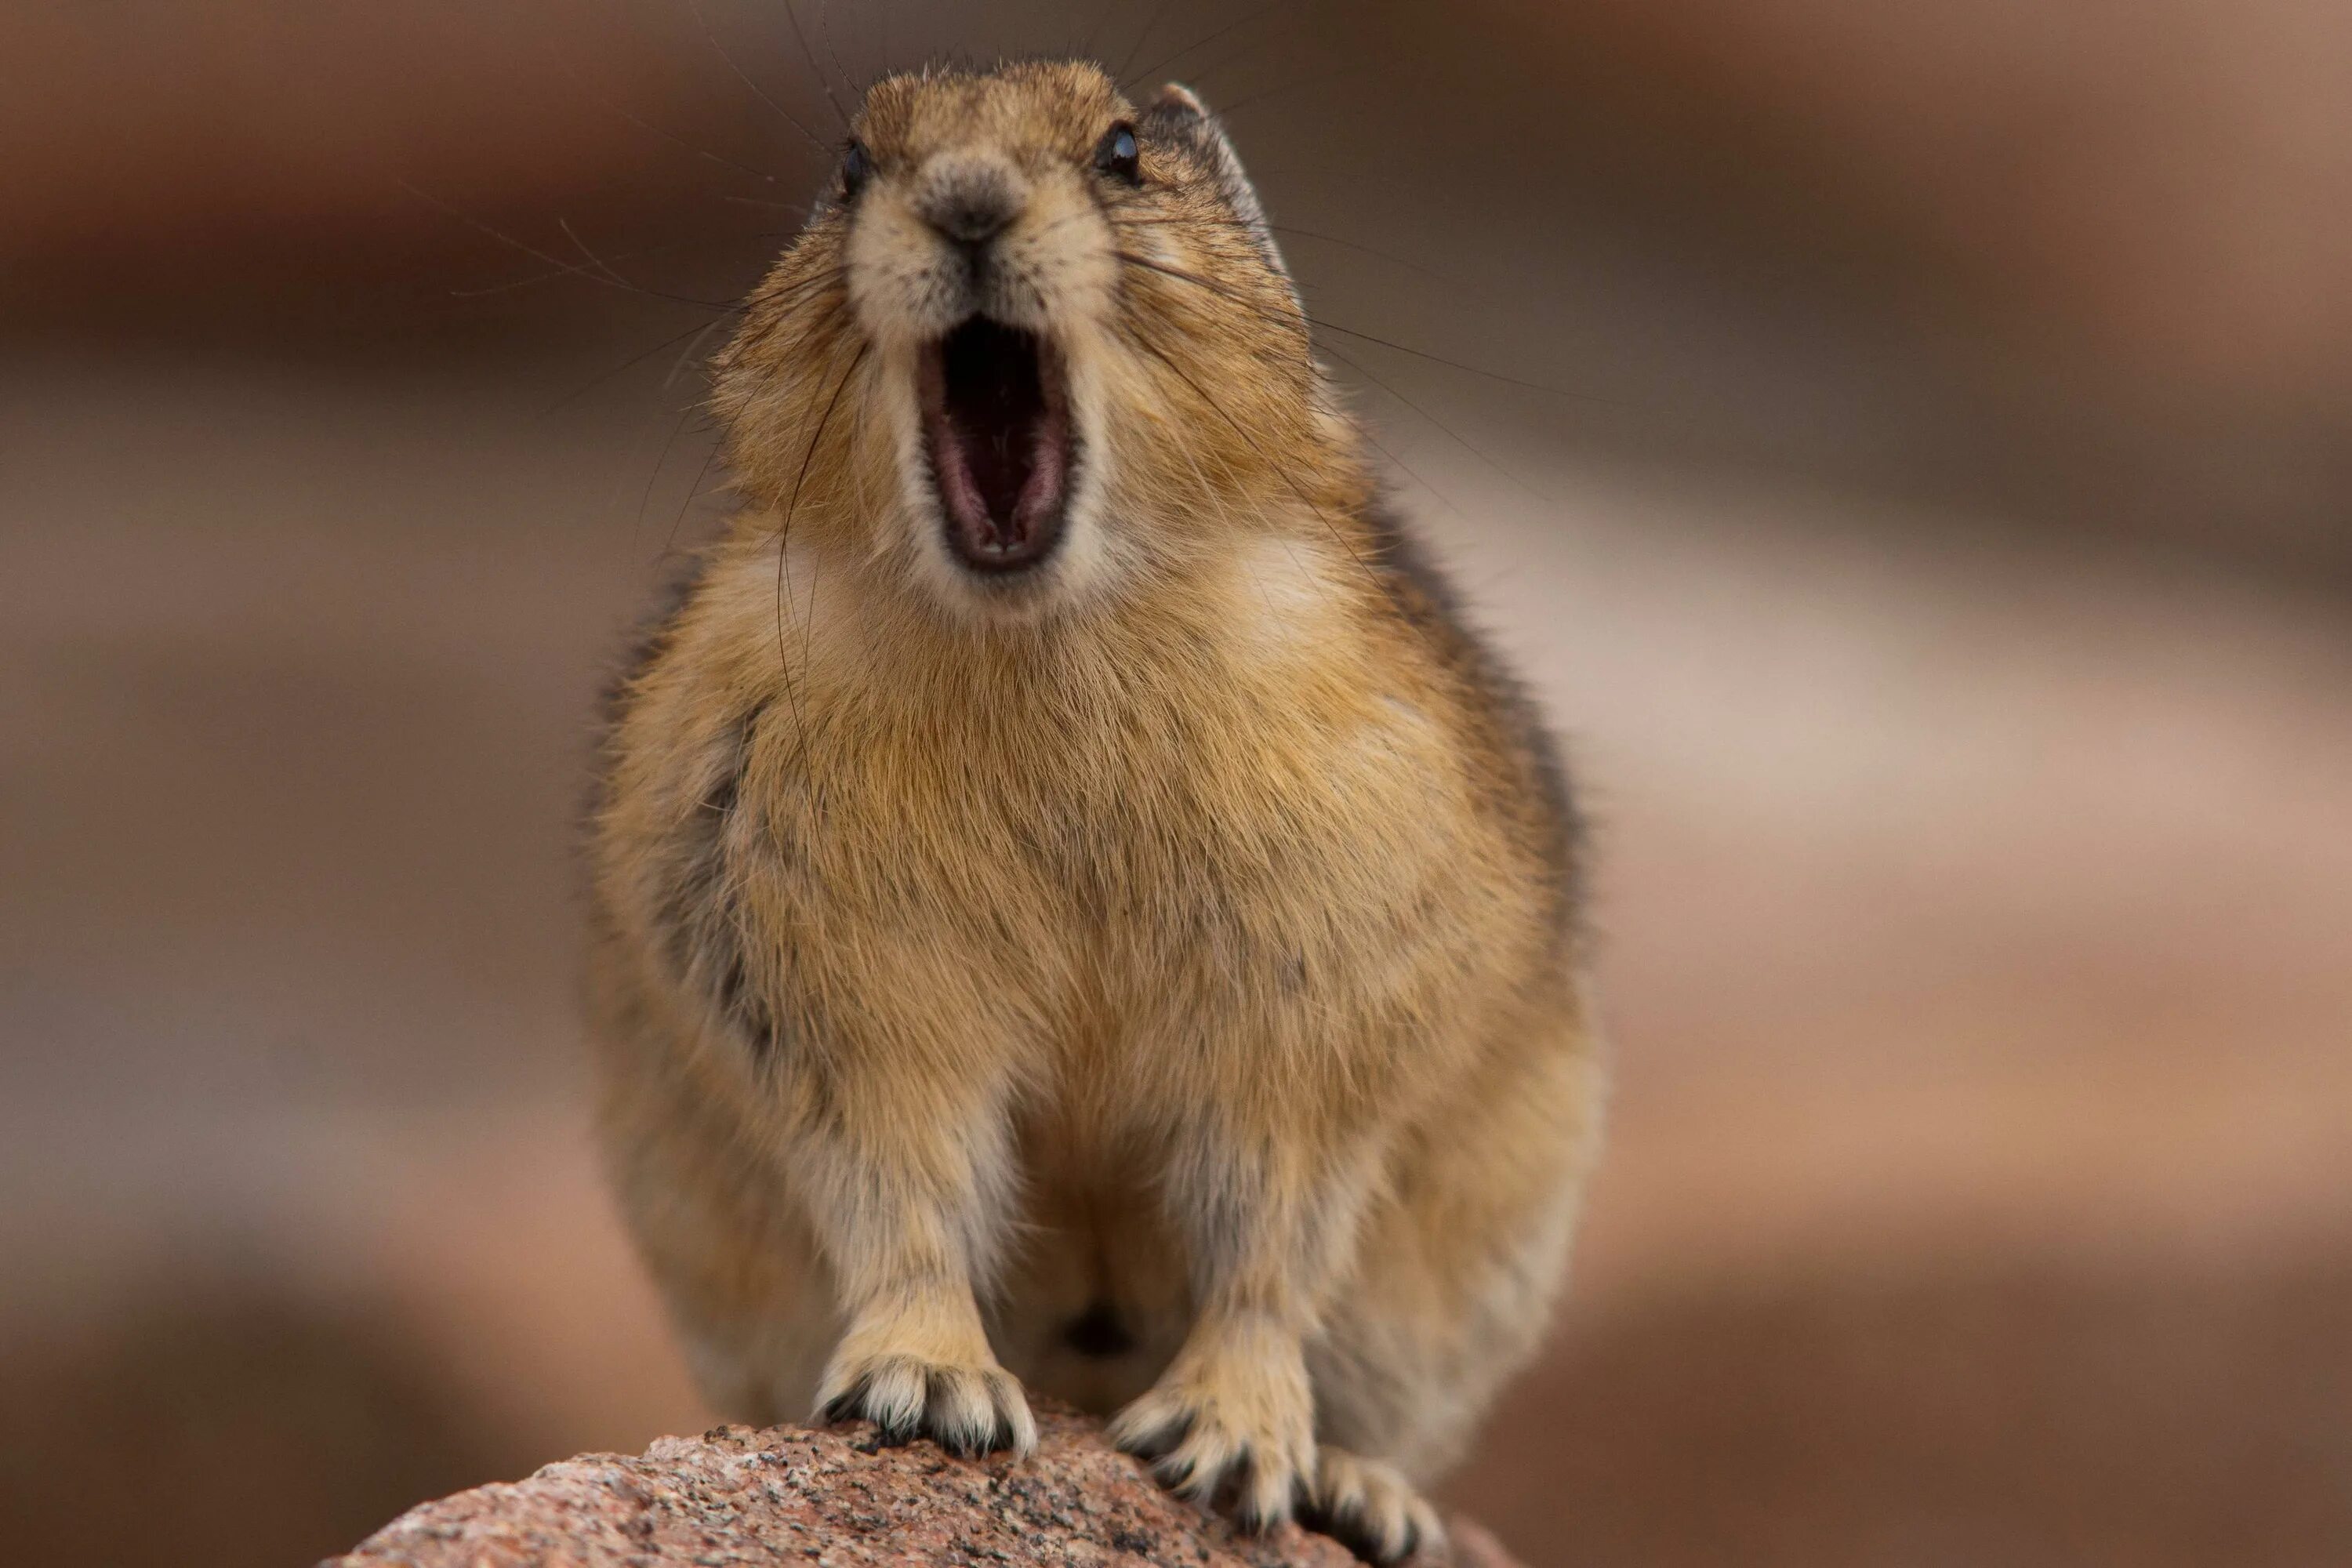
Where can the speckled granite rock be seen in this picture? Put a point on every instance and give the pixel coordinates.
(737, 1496)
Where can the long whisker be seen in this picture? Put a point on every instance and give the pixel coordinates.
(1392, 260)
(633, 361)
(783, 541)
(693, 493)
(1295, 85)
(1325, 324)
(1242, 226)
(660, 462)
(1244, 49)
(825, 31)
(1456, 435)
(757, 90)
(575, 268)
(595, 260)
(1198, 44)
(1184, 445)
(1182, 276)
(1142, 38)
(1278, 470)
(809, 321)
(679, 368)
(539, 277)
(1168, 269)
(1544, 387)
(1085, 49)
(822, 81)
(1417, 476)
(1386, 385)
(639, 121)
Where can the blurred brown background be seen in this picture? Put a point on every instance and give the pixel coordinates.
(1911, 447)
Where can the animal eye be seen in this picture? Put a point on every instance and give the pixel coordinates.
(856, 168)
(1115, 154)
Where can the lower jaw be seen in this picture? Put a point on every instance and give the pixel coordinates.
(1041, 552)
(1021, 591)
(1055, 581)
(1038, 554)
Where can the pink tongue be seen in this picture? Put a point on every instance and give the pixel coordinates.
(981, 523)
(998, 458)
(993, 406)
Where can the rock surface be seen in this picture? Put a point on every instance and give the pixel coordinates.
(740, 1496)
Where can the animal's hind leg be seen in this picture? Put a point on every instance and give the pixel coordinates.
(762, 1371)
(751, 1300)
(1451, 1293)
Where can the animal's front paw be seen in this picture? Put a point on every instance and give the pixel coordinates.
(1370, 1509)
(965, 1408)
(1232, 1427)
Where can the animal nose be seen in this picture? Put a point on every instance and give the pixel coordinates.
(970, 202)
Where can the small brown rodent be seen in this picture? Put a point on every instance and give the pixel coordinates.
(1074, 905)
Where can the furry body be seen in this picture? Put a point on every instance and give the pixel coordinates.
(1156, 980)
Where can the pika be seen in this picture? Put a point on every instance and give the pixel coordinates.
(1074, 907)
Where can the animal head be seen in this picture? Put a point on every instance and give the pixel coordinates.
(1035, 347)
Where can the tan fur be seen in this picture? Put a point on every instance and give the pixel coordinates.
(1183, 931)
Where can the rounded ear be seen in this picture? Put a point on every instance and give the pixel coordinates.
(1178, 112)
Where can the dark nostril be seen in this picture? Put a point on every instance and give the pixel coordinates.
(968, 223)
(970, 211)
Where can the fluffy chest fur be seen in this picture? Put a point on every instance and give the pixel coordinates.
(1239, 811)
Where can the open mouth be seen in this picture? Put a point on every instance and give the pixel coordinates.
(996, 422)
